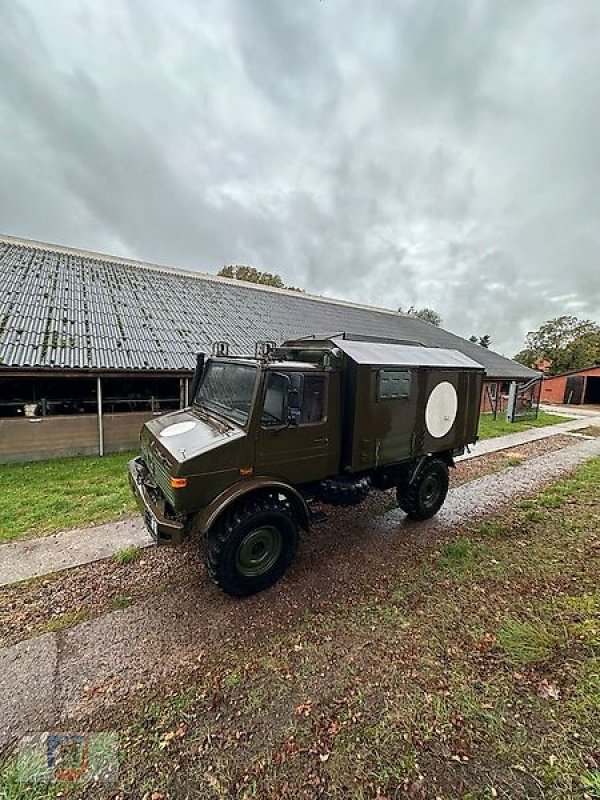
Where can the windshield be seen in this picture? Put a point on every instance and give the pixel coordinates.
(227, 389)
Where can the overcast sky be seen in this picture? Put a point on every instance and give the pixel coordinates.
(432, 153)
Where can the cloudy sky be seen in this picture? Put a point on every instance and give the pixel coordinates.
(414, 152)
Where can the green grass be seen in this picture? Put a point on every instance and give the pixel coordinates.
(120, 602)
(63, 621)
(489, 427)
(528, 641)
(18, 781)
(591, 783)
(127, 555)
(46, 496)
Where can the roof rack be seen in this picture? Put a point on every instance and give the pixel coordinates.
(220, 348)
(263, 349)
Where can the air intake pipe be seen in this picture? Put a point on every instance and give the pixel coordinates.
(197, 376)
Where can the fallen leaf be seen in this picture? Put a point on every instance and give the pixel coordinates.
(548, 690)
(304, 708)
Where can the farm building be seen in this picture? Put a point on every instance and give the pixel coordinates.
(576, 387)
(92, 345)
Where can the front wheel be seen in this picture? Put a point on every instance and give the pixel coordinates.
(426, 494)
(252, 545)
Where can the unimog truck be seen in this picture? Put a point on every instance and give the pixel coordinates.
(314, 421)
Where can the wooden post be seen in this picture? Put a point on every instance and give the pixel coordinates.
(100, 418)
(187, 391)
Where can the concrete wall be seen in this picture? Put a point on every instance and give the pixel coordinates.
(553, 389)
(51, 437)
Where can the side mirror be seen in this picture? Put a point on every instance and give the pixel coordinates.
(293, 405)
(293, 398)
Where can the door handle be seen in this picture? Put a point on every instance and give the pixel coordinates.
(321, 440)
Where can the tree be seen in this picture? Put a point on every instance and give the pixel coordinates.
(426, 314)
(242, 272)
(482, 341)
(567, 342)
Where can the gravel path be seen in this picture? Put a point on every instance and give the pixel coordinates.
(31, 558)
(469, 469)
(533, 435)
(571, 411)
(78, 675)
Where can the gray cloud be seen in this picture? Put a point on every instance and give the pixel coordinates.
(434, 154)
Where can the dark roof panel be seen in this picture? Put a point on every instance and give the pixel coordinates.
(66, 308)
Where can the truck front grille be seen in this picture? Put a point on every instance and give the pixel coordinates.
(159, 472)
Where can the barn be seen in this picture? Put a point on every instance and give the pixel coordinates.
(92, 345)
(581, 386)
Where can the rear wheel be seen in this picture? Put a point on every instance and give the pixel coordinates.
(426, 494)
(252, 545)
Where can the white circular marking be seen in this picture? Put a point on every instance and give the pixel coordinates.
(442, 406)
(175, 430)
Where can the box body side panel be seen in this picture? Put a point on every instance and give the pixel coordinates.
(382, 429)
(440, 413)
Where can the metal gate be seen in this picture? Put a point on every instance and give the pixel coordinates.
(524, 400)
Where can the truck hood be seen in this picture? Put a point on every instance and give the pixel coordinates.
(188, 433)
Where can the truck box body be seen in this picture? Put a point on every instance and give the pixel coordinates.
(403, 401)
(325, 419)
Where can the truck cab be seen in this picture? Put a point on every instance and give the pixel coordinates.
(265, 435)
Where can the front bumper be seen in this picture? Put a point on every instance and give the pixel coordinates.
(162, 529)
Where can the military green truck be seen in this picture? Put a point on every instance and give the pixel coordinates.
(269, 437)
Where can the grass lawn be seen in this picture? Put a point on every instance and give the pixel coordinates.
(490, 427)
(46, 496)
(471, 672)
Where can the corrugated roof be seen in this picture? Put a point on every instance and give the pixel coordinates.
(573, 372)
(404, 355)
(61, 307)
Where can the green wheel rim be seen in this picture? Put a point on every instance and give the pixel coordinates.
(430, 490)
(258, 551)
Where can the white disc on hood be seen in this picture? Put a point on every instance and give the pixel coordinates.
(442, 406)
(175, 430)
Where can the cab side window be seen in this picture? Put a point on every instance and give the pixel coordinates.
(311, 399)
(307, 396)
(275, 398)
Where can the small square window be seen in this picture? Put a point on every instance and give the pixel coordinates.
(393, 384)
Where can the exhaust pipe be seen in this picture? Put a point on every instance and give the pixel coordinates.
(197, 375)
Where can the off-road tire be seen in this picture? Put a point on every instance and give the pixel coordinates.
(424, 497)
(230, 534)
(344, 491)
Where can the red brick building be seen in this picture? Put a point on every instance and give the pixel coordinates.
(576, 387)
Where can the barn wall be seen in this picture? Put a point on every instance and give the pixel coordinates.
(51, 437)
(553, 389)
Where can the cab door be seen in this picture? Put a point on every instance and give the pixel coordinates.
(306, 451)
